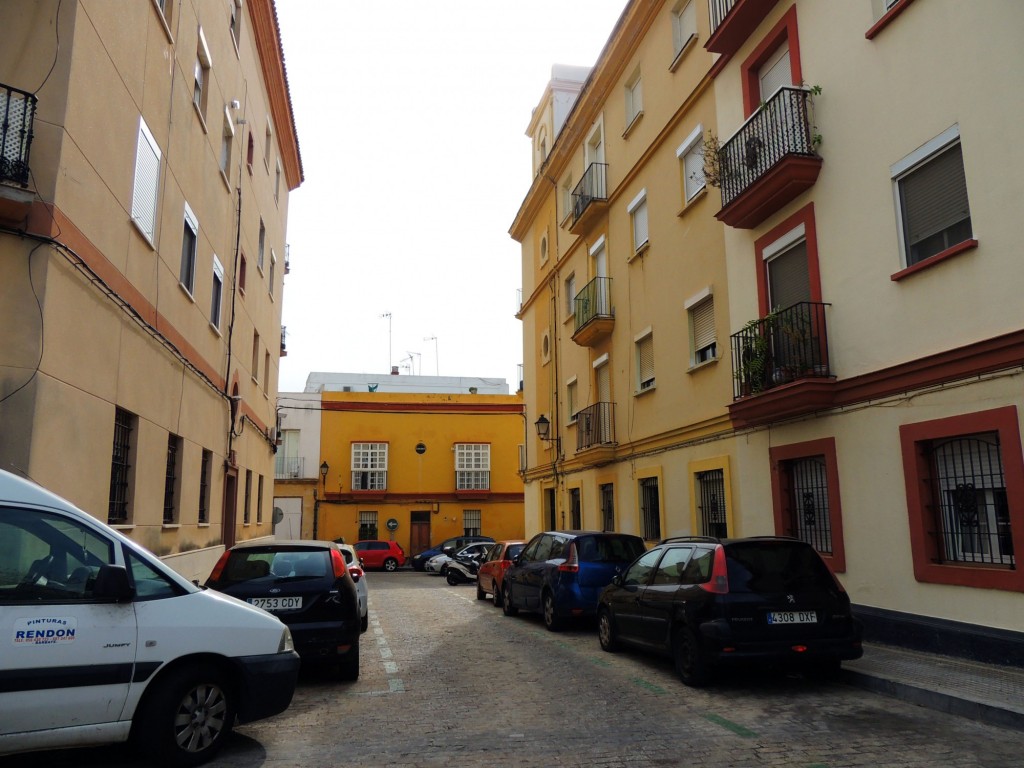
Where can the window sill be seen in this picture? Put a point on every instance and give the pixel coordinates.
(887, 18)
(170, 526)
(225, 179)
(187, 292)
(216, 330)
(639, 252)
(143, 234)
(687, 47)
(202, 525)
(931, 261)
(701, 365)
(632, 124)
(697, 197)
(645, 390)
(163, 23)
(123, 527)
(199, 114)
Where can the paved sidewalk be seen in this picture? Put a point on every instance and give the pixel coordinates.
(985, 692)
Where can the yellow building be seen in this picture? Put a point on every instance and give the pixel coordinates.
(404, 460)
(148, 153)
(869, 190)
(626, 302)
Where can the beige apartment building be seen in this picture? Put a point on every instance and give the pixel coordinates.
(625, 299)
(149, 149)
(859, 211)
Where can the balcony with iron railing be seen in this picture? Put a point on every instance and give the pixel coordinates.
(733, 21)
(284, 344)
(780, 365)
(17, 118)
(595, 434)
(589, 197)
(593, 313)
(287, 467)
(769, 161)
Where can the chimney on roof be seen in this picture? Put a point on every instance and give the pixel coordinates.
(394, 370)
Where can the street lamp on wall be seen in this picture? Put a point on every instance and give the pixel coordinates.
(323, 473)
(544, 429)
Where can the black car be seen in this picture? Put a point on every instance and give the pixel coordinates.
(419, 561)
(709, 603)
(560, 574)
(307, 585)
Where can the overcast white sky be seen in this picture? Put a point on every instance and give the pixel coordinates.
(411, 117)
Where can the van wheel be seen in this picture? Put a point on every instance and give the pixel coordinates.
(691, 660)
(551, 619)
(186, 718)
(348, 667)
(391, 564)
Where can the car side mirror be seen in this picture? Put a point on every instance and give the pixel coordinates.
(448, 551)
(112, 584)
(617, 579)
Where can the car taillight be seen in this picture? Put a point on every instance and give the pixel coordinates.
(338, 563)
(356, 572)
(219, 567)
(572, 562)
(719, 582)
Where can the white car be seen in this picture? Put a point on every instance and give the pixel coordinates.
(103, 642)
(436, 564)
(355, 567)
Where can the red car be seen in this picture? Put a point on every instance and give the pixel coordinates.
(491, 575)
(380, 554)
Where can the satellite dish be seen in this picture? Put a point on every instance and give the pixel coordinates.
(278, 515)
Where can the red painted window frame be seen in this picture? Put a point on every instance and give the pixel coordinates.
(804, 216)
(917, 473)
(826, 447)
(784, 30)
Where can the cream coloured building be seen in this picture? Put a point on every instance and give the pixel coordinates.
(625, 300)
(856, 235)
(143, 208)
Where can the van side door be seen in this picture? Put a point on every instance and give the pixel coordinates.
(68, 654)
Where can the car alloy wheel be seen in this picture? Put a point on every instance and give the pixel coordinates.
(390, 564)
(606, 631)
(551, 619)
(690, 659)
(507, 606)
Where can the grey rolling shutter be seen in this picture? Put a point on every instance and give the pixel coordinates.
(935, 195)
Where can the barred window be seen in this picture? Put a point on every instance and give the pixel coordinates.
(608, 506)
(650, 508)
(472, 466)
(171, 476)
(369, 466)
(575, 512)
(204, 486)
(711, 503)
(248, 497)
(367, 526)
(118, 510)
(808, 501)
(471, 522)
(259, 500)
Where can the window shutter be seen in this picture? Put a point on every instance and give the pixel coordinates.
(639, 225)
(693, 170)
(604, 385)
(935, 195)
(645, 356)
(775, 73)
(147, 183)
(788, 280)
(703, 324)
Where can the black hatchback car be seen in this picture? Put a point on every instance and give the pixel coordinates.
(560, 574)
(708, 603)
(307, 585)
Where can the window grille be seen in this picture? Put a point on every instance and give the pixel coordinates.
(972, 517)
(170, 478)
(471, 522)
(575, 514)
(608, 506)
(711, 503)
(808, 506)
(204, 487)
(367, 526)
(120, 468)
(248, 497)
(550, 509)
(259, 499)
(650, 508)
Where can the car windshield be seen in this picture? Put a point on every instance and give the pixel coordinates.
(775, 566)
(607, 549)
(513, 551)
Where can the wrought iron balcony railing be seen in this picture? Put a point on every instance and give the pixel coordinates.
(593, 186)
(593, 301)
(287, 467)
(784, 346)
(595, 425)
(719, 10)
(17, 116)
(779, 128)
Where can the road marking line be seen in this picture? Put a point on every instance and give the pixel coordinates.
(736, 728)
(649, 686)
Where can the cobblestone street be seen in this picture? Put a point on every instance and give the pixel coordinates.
(447, 680)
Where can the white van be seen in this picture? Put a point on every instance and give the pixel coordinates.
(101, 642)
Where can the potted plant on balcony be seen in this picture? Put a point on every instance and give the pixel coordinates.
(716, 168)
(755, 355)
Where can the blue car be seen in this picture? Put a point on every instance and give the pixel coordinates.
(419, 562)
(561, 574)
